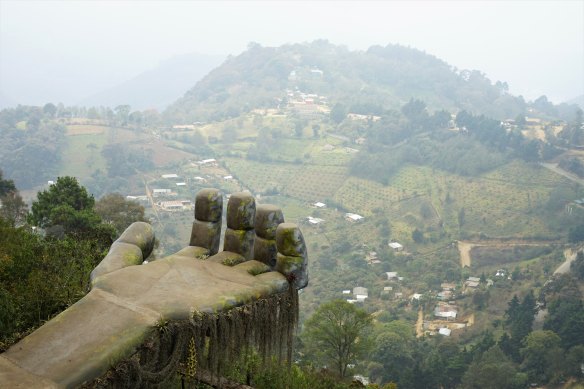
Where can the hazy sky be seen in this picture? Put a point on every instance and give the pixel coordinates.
(536, 46)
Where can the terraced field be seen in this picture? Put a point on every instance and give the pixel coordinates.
(260, 177)
(313, 183)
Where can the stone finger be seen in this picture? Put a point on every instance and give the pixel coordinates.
(240, 234)
(206, 231)
(292, 257)
(267, 219)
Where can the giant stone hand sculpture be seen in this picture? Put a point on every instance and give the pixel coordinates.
(131, 305)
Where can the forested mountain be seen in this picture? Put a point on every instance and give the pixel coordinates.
(367, 82)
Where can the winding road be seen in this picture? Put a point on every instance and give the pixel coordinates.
(556, 169)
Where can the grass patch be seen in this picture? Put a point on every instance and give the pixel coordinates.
(80, 159)
(491, 256)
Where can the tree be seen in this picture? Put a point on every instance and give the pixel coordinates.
(50, 110)
(574, 360)
(13, 208)
(440, 120)
(338, 334)
(394, 349)
(316, 131)
(542, 355)
(520, 120)
(493, 370)
(566, 311)
(520, 318)
(444, 362)
(461, 216)
(67, 208)
(417, 236)
(40, 277)
(6, 186)
(122, 113)
(338, 113)
(415, 111)
(114, 209)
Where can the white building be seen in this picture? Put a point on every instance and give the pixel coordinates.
(446, 311)
(314, 220)
(160, 192)
(395, 246)
(360, 293)
(169, 176)
(416, 296)
(171, 205)
(208, 162)
(353, 217)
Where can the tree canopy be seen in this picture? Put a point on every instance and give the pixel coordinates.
(12, 207)
(338, 331)
(67, 208)
(114, 209)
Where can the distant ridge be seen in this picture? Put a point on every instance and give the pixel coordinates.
(158, 87)
(579, 101)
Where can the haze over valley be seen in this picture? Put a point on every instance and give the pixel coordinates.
(432, 154)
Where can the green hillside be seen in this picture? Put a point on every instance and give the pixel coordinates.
(368, 82)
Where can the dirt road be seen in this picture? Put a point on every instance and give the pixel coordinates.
(464, 249)
(420, 324)
(556, 169)
(565, 266)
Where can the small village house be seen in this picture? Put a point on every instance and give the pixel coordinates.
(171, 206)
(360, 293)
(353, 217)
(446, 311)
(314, 220)
(395, 246)
(161, 192)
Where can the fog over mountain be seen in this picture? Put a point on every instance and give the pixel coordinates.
(67, 51)
(157, 87)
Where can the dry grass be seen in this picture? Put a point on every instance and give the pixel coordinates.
(85, 129)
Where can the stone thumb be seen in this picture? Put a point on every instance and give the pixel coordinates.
(131, 248)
